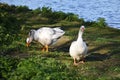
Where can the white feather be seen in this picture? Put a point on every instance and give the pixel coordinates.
(78, 48)
(46, 35)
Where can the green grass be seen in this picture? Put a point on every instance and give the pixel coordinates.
(102, 64)
(59, 65)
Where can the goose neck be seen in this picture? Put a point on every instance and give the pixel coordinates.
(80, 36)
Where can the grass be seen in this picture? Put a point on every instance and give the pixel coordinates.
(102, 63)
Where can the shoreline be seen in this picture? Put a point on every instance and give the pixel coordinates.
(89, 12)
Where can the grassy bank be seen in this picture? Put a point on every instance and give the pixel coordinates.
(17, 62)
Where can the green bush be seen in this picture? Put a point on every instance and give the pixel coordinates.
(59, 15)
(72, 17)
(46, 12)
(7, 65)
(37, 11)
(6, 7)
(22, 9)
(42, 68)
(9, 29)
(101, 22)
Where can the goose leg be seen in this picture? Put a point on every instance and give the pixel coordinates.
(46, 47)
(43, 49)
(82, 60)
(75, 63)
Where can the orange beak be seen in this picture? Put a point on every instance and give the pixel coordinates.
(27, 44)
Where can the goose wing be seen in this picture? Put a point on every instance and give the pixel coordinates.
(57, 33)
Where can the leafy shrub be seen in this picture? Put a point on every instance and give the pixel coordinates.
(46, 12)
(37, 11)
(59, 15)
(22, 9)
(81, 21)
(101, 22)
(9, 28)
(42, 68)
(72, 17)
(13, 9)
(6, 7)
(7, 65)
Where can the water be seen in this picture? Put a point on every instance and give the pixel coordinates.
(90, 10)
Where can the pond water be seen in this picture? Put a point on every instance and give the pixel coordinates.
(90, 10)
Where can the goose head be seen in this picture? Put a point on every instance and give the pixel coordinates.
(82, 28)
(30, 38)
(28, 41)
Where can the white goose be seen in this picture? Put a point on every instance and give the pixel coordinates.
(46, 36)
(78, 49)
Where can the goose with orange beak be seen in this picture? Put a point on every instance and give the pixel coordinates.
(78, 49)
(46, 36)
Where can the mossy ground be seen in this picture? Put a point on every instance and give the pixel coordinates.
(103, 63)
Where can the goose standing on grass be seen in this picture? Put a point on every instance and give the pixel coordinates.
(78, 49)
(46, 36)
